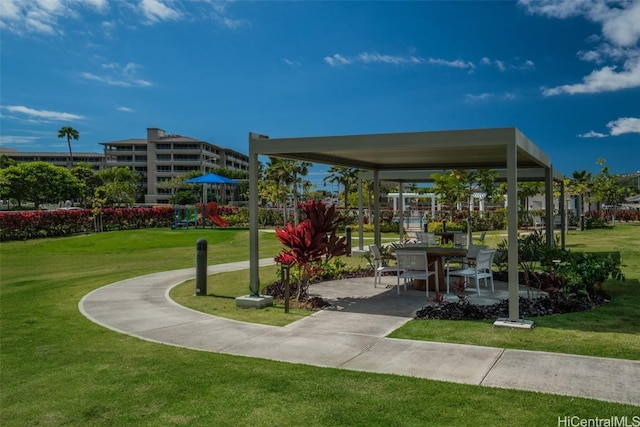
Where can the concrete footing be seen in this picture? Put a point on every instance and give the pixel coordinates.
(248, 301)
(516, 324)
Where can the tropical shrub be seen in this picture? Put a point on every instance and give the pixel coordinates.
(311, 244)
(38, 224)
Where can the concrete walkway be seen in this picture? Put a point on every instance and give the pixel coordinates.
(351, 335)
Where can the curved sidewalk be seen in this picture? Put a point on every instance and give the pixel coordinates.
(351, 335)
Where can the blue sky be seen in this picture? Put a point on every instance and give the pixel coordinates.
(566, 73)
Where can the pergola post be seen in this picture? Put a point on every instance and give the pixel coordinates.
(376, 208)
(254, 299)
(514, 320)
(401, 211)
(549, 208)
(563, 217)
(360, 215)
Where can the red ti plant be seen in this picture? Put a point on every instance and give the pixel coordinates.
(311, 243)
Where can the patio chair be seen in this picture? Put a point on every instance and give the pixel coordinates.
(413, 264)
(481, 270)
(459, 240)
(537, 221)
(480, 239)
(428, 239)
(379, 266)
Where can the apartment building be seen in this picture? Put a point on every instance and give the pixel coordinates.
(161, 156)
(95, 160)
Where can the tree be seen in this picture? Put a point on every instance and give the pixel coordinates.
(38, 182)
(607, 188)
(580, 184)
(6, 161)
(450, 189)
(287, 173)
(526, 190)
(120, 186)
(89, 180)
(342, 175)
(69, 133)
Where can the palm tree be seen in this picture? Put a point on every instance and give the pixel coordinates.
(581, 182)
(69, 133)
(344, 176)
(287, 173)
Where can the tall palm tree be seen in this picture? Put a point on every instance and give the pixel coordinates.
(581, 182)
(69, 133)
(344, 176)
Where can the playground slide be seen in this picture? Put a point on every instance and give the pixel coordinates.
(211, 212)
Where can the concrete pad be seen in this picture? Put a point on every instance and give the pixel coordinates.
(211, 334)
(437, 361)
(615, 380)
(352, 323)
(306, 347)
(516, 324)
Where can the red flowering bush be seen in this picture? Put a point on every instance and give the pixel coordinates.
(37, 224)
(311, 243)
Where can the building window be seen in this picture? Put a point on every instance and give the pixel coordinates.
(163, 146)
(163, 157)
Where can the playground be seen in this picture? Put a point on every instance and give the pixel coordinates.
(198, 216)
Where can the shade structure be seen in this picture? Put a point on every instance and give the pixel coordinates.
(211, 178)
(505, 149)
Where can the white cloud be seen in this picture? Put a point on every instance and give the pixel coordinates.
(486, 96)
(52, 17)
(337, 60)
(17, 140)
(388, 59)
(606, 79)
(455, 64)
(125, 109)
(624, 125)
(478, 97)
(43, 17)
(592, 134)
(616, 127)
(291, 62)
(41, 114)
(157, 10)
(118, 75)
(504, 66)
(620, 29)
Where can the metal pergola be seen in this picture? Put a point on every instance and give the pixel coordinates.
(413, 156)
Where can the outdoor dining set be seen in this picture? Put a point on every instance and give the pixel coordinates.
(431, 264)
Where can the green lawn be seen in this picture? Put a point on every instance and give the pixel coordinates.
(58, 368)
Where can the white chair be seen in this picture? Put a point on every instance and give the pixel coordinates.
(413, 264)
(378, 265)
(428, 239)
(480, 239)
(472, 253)
(481, 270)
(459, 240)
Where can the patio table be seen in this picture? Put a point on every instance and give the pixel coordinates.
(433, 254)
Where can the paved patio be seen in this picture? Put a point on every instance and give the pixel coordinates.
(360, 296)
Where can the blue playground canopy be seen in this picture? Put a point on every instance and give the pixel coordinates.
(211, 178)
